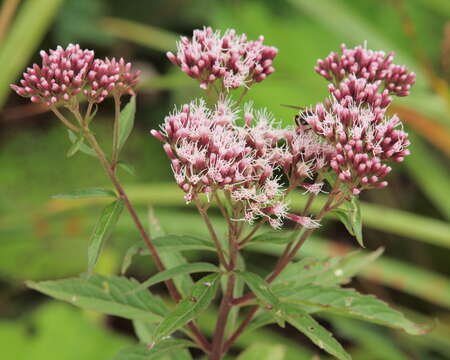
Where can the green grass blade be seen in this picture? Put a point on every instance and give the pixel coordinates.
(146, 35)
(27, 31)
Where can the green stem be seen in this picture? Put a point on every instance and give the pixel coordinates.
(224, 311)
(226, 303)
(198, 336)
(212, 233)
(64, 120)
(115, 146)
(241, 97)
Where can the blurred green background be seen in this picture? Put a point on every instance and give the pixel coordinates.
(47, 239)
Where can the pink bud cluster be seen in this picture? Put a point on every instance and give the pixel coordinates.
(359, 91)
(210, 56)
(209, 151)
(363, 142)
(110, 76)
(66, 72)
(60, 77)
(367, 64)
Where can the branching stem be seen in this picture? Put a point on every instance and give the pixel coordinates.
(198, 336)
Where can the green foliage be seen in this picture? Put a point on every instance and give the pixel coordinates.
(201, 295)
(259, 287)
(369, 339)
(177, 270)
(142, 352)
(329, 271)
(146, 35)
(87, 193)
(126, 121)
(70, 334)
(144, 331)
(79, 145)
(295, 316)
(127, 167)
(103, 230)
(262, 351)
(75, 147)
(106, 294)
(78, 22)
(276, 237)
(308, 285)
(351, 218)
(23, 39)
(169, 243)
(347, 302)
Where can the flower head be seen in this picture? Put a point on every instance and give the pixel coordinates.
(366, 64)
(363, 141)
(64, 73)
(210, 152)
(110, 76)
(209, 56)
(60, 77)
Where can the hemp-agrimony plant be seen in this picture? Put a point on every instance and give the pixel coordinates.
(226, 154)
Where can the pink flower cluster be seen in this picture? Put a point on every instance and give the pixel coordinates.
(210, 56)
(209, 152)
(65, 72)
(362, 141)
(354, 119)
(303, 156)
(367, 64)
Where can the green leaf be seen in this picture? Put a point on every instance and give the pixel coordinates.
(344, 217)
(142, 352)
(356, 220)
(105, 294)
(178, 270)
(351, 218)
(127, 167)
(75, 146)
(259, 287)
(171, 258)
(262, 318)
(329, 271)
(263, 351)
(427, 285)
(305, 323)
(181, 243)
(202, 294)
(144, 330)
(86, 193)
(126, 122)
(136, 249)
(276, 237)
(83, 147)
(103, 230)
(348, 302)
(368, 338)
